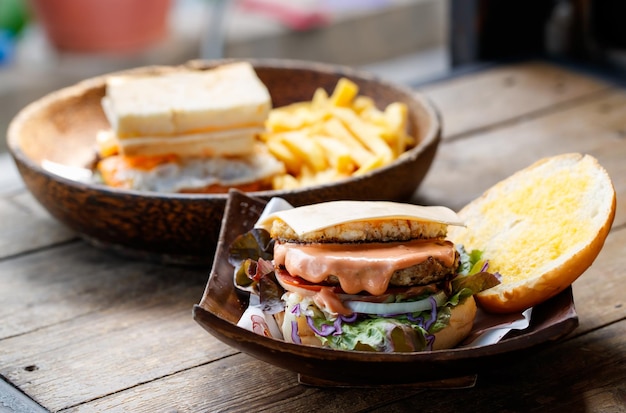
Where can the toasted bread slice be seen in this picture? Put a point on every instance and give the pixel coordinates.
(230, 96)
(541, 228)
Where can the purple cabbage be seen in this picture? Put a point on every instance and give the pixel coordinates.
(295, 337)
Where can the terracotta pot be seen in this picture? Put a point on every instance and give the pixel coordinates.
(103, 25)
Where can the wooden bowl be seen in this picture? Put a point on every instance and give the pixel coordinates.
(52, 141)
(222, 305)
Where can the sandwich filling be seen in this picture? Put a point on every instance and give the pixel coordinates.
(358, 275)
(187, 131)
(171, 173)
(370, 268)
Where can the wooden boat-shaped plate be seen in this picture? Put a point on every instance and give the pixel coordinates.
(222, 305)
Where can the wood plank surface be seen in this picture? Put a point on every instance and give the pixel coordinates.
(257, 383)
(599, 292)
(577, 376)
(27, 226)
(85, 330)
(178, 357)
(507, 93)
(10, 181)
(259, 387)
(72, 322)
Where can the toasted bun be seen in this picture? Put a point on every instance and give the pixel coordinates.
(461, 323)
(363, 231)
(359, 221)
(541, 228)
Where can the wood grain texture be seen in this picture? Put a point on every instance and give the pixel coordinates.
(78, 316)
(84, 330)
(10, 180)
(257, 387)
(599, 292)
(577, 376)
(507, 93)
(26, 226)
(260, 387)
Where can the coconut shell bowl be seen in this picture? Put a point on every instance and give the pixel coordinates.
(52, 142)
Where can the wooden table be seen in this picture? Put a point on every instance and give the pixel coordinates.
(83, 330)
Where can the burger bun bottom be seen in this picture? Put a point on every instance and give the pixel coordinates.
(460, 325)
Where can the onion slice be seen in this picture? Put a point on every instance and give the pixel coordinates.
(364, 307)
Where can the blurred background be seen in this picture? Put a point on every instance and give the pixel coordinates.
(48, 44)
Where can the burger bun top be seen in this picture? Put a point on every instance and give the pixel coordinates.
(540, 228)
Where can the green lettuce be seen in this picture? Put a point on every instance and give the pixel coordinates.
(410, 332)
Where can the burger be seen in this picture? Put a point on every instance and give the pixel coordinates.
(362, 275)
(186, 130)
(395, 277)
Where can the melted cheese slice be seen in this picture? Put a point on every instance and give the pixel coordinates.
(315, 217)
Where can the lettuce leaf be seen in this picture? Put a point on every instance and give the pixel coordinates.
(412, 332)
(469, 262)
(379, 334)
(249, 254)
(253, 245)
(472, 275)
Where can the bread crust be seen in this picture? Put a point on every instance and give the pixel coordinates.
(584, 196)
(526, 295)
(383, 230)
(461, 323)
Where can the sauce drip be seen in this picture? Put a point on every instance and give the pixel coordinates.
(359, 267)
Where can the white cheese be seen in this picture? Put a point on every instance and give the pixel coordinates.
(309, 218)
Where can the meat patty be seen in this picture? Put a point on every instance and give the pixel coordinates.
(427, 272)
(368, 231)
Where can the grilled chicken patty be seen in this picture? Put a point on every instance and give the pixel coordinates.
(368, 231)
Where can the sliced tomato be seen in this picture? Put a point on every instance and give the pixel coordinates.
(300, 285)
(304, 287)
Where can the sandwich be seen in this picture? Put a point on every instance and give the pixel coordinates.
(186, 131)
(363, 275)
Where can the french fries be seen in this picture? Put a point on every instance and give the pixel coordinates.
(334, 137)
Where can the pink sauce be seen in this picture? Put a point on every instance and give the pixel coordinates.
(359, 267)
(326, 298)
